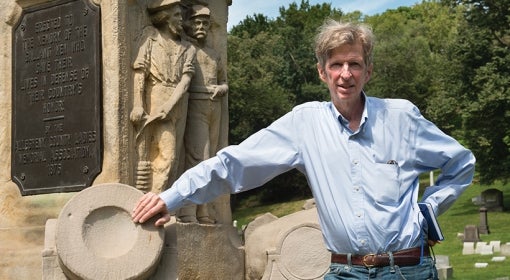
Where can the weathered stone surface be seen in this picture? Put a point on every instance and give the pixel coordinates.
(209, 252)
(291, 247)
(22, 231)
(444, 269)
(471, 234)
(468, 248)
(492, 199)
(20, 252)
(257, 222)
(96, 238)
(505, 249)
(167, 268)
(22, 219)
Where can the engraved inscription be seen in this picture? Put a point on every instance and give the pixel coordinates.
(56, 142)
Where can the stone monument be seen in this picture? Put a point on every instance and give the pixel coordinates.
(471, 233)
(74, 77)
(492, 200)
(484, 224)
(98, 103)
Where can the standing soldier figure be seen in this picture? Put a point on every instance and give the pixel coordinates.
(206, 106)
(163, 69)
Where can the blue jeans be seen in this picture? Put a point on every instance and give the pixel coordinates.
(424, 271)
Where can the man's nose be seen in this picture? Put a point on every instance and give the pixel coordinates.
(345, 71)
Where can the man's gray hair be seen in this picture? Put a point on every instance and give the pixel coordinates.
(333, 34)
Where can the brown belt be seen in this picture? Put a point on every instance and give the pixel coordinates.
(405, 257)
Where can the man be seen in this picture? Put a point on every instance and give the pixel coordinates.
(362, 157)
(163, 69)
(206, 121)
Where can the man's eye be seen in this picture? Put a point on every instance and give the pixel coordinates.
(355, 66)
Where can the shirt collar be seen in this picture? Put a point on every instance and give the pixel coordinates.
(364, 117)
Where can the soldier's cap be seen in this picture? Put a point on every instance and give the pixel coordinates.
(158, 5)
(199, 10)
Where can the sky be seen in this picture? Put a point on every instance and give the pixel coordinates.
(240, 9)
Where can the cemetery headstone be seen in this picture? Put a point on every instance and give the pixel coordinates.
(471, 234)
(496, 245)
(468, 248)
(493, 200)
(484, 226)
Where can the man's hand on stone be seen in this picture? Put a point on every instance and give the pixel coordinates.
(150, 205)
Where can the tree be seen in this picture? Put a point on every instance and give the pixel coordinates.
(251, 26)
(256, 98)
(482, 51)
(297, 26)
(402, 57)
(410, 58)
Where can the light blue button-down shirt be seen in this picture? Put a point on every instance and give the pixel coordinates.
(365, 183)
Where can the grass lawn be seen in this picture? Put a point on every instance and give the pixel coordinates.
(462, 213)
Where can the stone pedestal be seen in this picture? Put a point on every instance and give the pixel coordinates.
(209, 252)
(484, 226)
(23, 218)
(95, 238)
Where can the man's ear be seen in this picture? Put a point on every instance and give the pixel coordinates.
(322, 74)
(370, 69)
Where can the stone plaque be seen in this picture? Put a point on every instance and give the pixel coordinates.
(56, 97)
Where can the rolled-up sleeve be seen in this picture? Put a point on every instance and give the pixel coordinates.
(436, 150)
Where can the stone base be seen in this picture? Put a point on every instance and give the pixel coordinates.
(209, 252)
(20, 253)
(445, 272)
(204, 250)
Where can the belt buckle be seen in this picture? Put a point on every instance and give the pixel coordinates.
(366, 260)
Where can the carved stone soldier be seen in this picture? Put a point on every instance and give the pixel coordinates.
(163, 68)
(206, 108)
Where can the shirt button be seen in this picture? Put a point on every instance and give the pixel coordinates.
(363, 242)
(355, 162)
(359, 214)
(356, 188)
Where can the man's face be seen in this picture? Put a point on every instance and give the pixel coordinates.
(200, 26)
(345, 73)
(175, 19)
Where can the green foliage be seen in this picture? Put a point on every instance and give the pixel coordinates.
(251, 26)
(487, 119)
(255, 97)
(402, 58)
(248, 209)
(482, 51)
(297, 27)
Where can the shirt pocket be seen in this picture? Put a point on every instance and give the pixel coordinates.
(383, 183)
